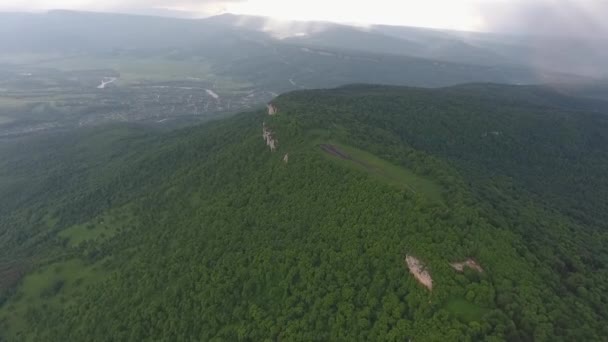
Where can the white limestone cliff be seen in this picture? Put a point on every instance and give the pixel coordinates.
(271, 142)
(419, 271)
(272, 110)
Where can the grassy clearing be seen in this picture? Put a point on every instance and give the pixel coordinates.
(88, 232)
(387, 172)
(32, 97)
(465, 310)
(50, 287)
(134, 70)
(154, 69)
(99, 229)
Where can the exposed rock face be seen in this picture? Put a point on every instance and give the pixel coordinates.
(272, 110)
(494, 133)
(470, 263)
(418, 270)
(286, 158)
(267, 135)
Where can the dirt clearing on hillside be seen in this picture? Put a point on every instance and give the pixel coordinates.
(418, 270)
(470, 263)
(334, 151)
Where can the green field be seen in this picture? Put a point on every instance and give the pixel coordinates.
(52, 286)
(387, 172)
(89, 232)
(98, 229)
(134, 70)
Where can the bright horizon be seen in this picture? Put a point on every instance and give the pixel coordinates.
(579, 18)
(459, 15)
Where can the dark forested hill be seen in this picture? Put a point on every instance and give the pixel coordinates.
(361, 213)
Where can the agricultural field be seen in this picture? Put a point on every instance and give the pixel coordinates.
(40, 93)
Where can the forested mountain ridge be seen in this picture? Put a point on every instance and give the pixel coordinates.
(210, 233)
(521, 132)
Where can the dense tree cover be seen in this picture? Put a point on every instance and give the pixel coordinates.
(222, 240)
(551, 144)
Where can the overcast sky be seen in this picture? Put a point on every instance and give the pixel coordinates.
(572, 17)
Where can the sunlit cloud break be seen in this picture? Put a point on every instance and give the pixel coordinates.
(559, 17)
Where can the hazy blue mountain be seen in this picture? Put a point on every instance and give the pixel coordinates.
(99, 33)
(68, 69)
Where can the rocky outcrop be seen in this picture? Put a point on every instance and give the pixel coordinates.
(418, 270)
(272, 110)
(271, 142)
(470, 263)
(286, 158)
(493, 133)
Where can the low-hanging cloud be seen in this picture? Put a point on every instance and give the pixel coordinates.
(564, 35)
(561, 34)
(569, 18)
(185, 8)
(559, 17)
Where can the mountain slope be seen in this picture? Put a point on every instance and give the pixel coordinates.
(363, 212)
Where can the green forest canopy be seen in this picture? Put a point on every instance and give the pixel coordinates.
(120, 233)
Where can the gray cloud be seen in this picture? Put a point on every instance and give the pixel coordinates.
(546, 17)
(177, 8)
(564, 35)
(184, 8)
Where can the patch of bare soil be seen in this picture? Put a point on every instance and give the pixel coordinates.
(470, 263)
(418, 270)
(334, 151)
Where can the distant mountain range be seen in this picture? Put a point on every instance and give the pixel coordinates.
(52, 65)
(68, 31)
